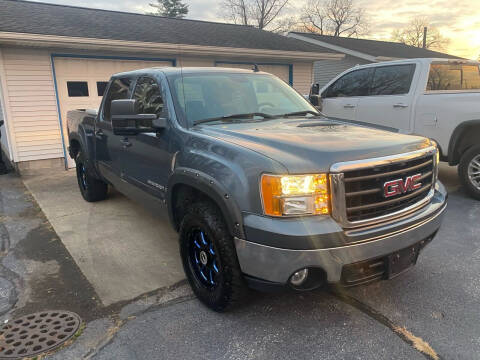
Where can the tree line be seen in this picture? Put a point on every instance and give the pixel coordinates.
(325, 17)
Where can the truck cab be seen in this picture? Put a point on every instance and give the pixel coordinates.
(435, 98)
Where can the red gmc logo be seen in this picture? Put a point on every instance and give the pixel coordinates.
(398, 187)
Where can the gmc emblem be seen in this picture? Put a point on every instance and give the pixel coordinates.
(398, 187)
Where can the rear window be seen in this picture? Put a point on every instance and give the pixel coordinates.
(392, 80)
(453, 77)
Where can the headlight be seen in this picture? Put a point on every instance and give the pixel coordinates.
(295, 195)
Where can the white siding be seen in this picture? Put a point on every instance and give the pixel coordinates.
(33, 108)
(194, 62)
(326, 70)
(302, 77)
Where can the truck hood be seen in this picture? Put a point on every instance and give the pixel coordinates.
(312, 145)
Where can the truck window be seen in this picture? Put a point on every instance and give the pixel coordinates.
(355, 83)
(148, 95)
(119, 90)
(392, 80)
(453, 77)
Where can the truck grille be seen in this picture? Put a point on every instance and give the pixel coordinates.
(364, 189)
(359, 191)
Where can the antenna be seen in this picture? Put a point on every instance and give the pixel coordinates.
(255, 68)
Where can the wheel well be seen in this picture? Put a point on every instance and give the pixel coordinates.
(467, 138)
(74, 148)
(182, 196)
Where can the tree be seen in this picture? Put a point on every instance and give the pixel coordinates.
(258, 13)
(170, 8)
(334, 17)
(413, 35)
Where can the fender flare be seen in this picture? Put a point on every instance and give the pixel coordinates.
(82, 137)
(455, 140)
(211, 188)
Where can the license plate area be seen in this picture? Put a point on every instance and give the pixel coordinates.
(402, 260)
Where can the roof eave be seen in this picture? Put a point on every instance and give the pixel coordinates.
(56, 41)
(334, 47)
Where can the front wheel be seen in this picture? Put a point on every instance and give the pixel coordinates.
(209, 257)
(469, 171)
(91, 188)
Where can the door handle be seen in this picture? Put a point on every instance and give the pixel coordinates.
(125, 143)
(99, 133)
(400, 105)
(349, 106)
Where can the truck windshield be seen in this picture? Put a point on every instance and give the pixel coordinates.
(223, 95)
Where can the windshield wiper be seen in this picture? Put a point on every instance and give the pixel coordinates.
(235, 116)
(297, 113)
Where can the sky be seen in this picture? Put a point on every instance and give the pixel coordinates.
(459, 20)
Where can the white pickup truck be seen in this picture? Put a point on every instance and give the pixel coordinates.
(435, 98)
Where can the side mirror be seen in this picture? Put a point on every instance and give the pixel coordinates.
(314, 96)
(315, 89)
(126, 119)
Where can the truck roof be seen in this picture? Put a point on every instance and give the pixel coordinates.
(169, 70)
(420, 60)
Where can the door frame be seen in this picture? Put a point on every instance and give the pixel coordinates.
(98, 57)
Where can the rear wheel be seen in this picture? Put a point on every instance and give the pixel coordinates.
(91, 188)
(209, 257)
(469, 171)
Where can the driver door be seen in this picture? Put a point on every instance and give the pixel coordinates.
(340, 99)
(148, 157)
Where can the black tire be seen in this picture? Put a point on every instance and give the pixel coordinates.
(91, 188)
(218, 290)
(468, 161)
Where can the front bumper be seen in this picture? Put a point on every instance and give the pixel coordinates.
(333, 247)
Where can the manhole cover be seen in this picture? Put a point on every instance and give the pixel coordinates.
(37, 333)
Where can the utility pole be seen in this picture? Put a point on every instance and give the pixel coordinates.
(425, 37)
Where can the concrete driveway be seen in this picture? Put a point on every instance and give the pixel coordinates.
(122, 249)
(430, 312)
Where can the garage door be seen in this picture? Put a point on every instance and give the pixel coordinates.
(81, 82)
(282, 71)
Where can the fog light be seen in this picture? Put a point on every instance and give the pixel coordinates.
(299, 277)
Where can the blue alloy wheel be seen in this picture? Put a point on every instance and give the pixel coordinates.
(203, 258)
(83, 176)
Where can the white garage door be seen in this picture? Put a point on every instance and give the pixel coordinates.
(81, 83)
(282, 71)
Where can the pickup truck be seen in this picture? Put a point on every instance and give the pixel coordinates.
(435, 98)
(264, 191)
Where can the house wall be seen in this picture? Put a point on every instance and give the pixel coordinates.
(32, 103)
(303, 76)
(326, 70)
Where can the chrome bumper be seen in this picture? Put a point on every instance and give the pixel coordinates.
(278, 264)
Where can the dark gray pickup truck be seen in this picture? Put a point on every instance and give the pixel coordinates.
(264, 191)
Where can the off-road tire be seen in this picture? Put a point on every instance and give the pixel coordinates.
(465, 161)
(91, 188)
(231, 287)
